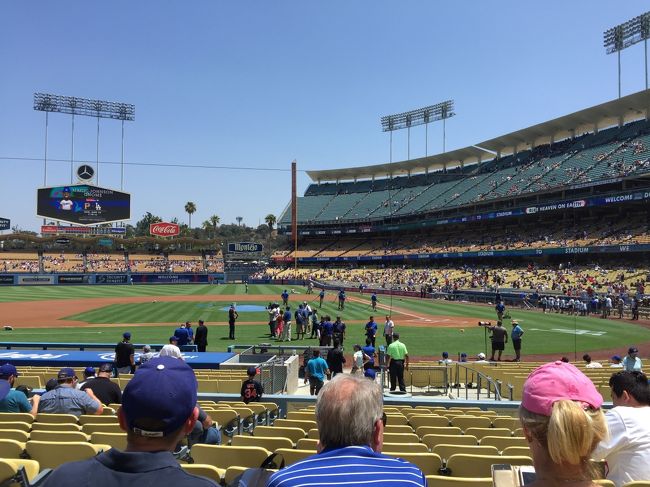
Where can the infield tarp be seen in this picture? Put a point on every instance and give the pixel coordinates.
(73, 358)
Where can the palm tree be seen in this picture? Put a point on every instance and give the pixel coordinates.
(214, 220)
(270, 221)
(190, 208)
(239, 219)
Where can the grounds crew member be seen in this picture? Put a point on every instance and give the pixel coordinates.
(125, 355)
(516, 335)
(398, 361)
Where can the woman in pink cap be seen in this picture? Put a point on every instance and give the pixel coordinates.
(562, 420)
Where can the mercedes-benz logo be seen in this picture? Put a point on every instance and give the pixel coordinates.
(85, 172)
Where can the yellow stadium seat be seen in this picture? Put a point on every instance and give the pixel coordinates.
(444, 481)
(18, 435)
(510, 423)
(313, 434)
(429, 463)
(228, 420)
(21, 471)
(58, 436)
(447, 450)
(292, 456)
(232, 473)
(115, 440)
(465, 465)
(609, 483)
(95, 419)
(302, 415)
(464, 422)
(398, 428)
(56, 418)
(294, 434)
(11, 448)
(11, 417)
(483, 432)
(90, 428)
(269, 442)
(307, 444)
(401, 438)
(432, 440)
(303, 424)
(396, 419)
(55, 427)
(503, 442)
(28, 380)
(203, 470)
(222, 456)
(396, 448)
(638, 483)
(51, 454)
(517, 451)
(438, 430)
(428, 420)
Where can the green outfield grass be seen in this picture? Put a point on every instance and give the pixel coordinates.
(544, 334)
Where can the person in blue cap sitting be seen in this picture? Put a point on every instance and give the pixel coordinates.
(158, 410)
(65, 398)
(11, 400)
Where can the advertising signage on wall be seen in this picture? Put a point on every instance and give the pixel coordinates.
(245, 247)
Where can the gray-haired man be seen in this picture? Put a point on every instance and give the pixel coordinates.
(349, 413)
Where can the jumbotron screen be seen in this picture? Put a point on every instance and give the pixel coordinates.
(83, 204)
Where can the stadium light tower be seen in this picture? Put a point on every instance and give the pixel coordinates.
(421, 116)
(72, 105)
(625, 35)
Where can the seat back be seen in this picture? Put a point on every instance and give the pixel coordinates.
(94, 418)
(56, 418)
(503, 442)
(22, 417)
(58, 436)
(429, 463)
(11, 434)
(222, 456)
(307, 444)
(116, 440)
(428, 420)
(90, 428)
(202, 470)
(444, 481)
(438, 430)
(466, 465)
(269, 442)
(11, 448)
(432, 440)
(294, 434)
(55, 427)
(396, 448)
(401, 438)
(292, 456)
(51, 454)
(483, 432)
(446, 450)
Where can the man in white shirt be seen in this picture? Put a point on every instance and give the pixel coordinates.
(627, 450)
(389, 327)
(171, 349)
(589, 364)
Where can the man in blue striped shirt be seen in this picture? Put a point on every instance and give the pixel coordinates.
(349, 412)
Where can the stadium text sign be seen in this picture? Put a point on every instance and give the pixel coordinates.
(164, 229)
(54, 229)
(245, 247)
(5, 224)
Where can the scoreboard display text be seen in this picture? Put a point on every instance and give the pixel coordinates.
(83, 204)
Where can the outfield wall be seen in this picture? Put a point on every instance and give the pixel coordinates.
(23, 279)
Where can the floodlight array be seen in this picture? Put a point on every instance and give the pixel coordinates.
(419, 116)
(626, 34)
(46, 102)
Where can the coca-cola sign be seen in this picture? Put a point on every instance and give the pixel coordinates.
(164, 229)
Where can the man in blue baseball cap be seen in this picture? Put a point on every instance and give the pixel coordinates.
(158, 410)
(11, 400)
(65, 398)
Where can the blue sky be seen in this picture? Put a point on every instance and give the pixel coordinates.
(257, 84)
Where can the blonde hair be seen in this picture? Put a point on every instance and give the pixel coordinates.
(570, 434)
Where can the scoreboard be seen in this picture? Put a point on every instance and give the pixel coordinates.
(83, 204)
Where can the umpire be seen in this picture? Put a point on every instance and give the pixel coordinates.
(397, 362)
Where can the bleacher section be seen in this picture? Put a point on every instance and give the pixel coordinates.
(611, 153)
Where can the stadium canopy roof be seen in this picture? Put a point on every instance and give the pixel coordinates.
(622, 110)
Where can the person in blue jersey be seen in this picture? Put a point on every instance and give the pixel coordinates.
(349, 412)
(182, 335)
(371, 330)
(285, 298)
(321, 297)
(516, 334)
(373, 301)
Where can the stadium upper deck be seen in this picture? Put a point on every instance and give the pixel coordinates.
(613, 146)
